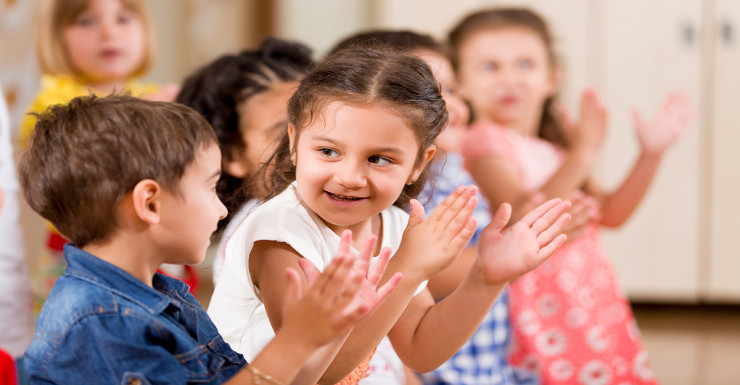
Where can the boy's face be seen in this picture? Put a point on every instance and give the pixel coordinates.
(189, 217)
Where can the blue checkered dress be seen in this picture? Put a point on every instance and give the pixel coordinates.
(482, 360)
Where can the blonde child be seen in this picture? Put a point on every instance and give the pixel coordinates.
(360, 134)
(84, 47)
(570, 319)
(244, 97)
(111, 319)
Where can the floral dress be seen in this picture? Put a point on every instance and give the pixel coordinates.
(571, 322)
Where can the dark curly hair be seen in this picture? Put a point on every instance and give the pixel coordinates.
(219, 88)
(403, 83)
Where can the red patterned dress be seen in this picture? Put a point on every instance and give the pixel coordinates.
(570, 320)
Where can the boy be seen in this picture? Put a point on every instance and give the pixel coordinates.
(132, 187)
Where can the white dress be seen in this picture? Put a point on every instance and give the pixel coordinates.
(236, 307)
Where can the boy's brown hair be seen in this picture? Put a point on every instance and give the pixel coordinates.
(84, 157)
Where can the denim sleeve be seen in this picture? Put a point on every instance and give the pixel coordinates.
(110, 350)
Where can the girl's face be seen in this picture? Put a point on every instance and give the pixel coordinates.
(262, 121)
(506, 76)
(106, 43)
(353, 162)
(450, 139)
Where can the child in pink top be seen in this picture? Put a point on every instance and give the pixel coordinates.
(570, 319)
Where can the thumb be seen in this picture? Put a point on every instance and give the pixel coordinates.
(416, 215)
(501, 218)
(309, 270)
(295, 290)
(637, 119)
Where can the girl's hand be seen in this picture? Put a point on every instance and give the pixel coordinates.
(589, 132)
(666, 126)
(430, 245)
(505, 255)
(340, 297)
(584, 209)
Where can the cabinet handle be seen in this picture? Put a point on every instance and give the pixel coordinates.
(726, 32)
(688, 33)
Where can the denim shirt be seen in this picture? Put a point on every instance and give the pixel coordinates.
(100, 325)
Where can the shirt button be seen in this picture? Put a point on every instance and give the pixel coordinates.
(134, 381)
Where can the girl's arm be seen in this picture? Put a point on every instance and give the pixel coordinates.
(655, 138)
(319, 320)
(499, 178)
(428, 334)
(429, 245)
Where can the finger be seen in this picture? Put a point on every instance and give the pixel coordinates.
(385, 290)
(448, 203)
(529, 218)
(331, 282)
(550, 217)
(547, 251)
(455, 218)
(362, 263)
(309, 270)
(295, 286)
(546, 236)
(501, 218)
(416, 216)
(379, 267)
(345, 242)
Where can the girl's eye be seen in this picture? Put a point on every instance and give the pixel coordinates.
(124, 19)
(84, 21)
(328, 152)
(525, 64)
(488, 66)
(378, 160)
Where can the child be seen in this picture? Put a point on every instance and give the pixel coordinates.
(83, 47)
(245, 99)
(571, 321)
(15, 310)
(361, 127)
(482, 360)
(130, 198)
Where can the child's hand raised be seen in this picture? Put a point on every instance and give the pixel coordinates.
(340, 297)
(433, 243)
(667, 125)
(589, 132)
(505, 255)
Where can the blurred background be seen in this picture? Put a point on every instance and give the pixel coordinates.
(678, 258)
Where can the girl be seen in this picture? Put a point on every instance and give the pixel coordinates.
(245, 98)
(361, 127)
(570, 319)
(85, 46)
(473, 363)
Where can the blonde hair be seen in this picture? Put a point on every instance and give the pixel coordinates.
(54, 16)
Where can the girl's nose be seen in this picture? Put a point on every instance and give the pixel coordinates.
(350, 174)
(222, 210)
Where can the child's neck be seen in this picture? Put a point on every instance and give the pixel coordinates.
(361, 231)
(528, 126)
(129, 256)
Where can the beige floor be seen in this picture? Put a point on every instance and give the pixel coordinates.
(692, 345)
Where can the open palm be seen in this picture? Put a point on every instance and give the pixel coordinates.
(507, 254)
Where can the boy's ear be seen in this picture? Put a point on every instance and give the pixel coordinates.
(426, 157)
(146, 201)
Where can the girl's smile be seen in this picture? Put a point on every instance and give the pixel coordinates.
(352, 162)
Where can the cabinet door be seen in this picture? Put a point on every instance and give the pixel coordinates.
(649, 48)
(722, 282)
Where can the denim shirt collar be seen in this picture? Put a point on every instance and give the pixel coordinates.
(90, 268)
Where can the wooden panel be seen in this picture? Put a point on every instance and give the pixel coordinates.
(723, 278)
(649, 49)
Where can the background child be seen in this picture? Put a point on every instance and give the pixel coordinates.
(570, 318)
(360, 134)
(244, 97)
(155, 201)
(83, 47)
(482, 359)
(15, 309)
